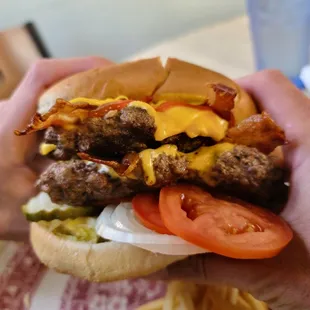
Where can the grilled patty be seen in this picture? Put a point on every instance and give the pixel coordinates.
(247, 172)
(243, 170)
(115, 135)
(78, 183)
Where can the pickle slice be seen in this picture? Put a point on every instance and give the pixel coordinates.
(41, 208)
(80, 229)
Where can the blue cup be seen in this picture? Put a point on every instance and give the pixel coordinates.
(280, 34)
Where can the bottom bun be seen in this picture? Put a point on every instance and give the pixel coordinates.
(103, 262)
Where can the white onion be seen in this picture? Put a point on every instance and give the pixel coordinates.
(119, 223)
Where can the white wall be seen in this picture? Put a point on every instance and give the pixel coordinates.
(114, 28)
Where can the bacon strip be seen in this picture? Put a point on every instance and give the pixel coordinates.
(106, 108)
(258, 131)
(224, 98)
(67, 115)
(224, 102)
(63, 113)
(124, 168)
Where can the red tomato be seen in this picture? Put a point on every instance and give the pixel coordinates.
(105, 108)
(146, 210)
(169, 104)
(230, 228)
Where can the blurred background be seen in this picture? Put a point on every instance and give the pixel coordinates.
(116, 29)
(234, 37)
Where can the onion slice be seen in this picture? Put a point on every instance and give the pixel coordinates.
(119, 223)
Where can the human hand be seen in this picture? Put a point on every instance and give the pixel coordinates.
(19, 162)
(282, 282)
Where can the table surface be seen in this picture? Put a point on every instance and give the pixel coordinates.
(226, 48)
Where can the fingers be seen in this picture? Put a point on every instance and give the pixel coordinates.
(288, 106)
(48, 71)
(279, 281)
(213, 269)
(17, 228)
(17, 185)
(248, 276)
(39, 163)
(41, 75)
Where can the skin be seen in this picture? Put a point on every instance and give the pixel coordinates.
(283, 282)
(20, 164)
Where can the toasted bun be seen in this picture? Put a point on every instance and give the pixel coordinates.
(144, 78)
(136, 80)
(103, 262)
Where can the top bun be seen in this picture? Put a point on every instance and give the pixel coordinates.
(137, 80)
(144, 78)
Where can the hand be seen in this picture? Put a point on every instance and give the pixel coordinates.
(284, 281)
(19, 161)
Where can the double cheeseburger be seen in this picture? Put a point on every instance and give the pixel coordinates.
(151, 164)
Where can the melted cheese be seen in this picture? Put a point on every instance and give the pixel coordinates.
(97, 102)
(201, 160)
(204, 159)
(147, 159)
(176, 120)
(185, 119)
(46, 148)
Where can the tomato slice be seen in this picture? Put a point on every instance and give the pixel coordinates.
(146, 210)
(170, 104)
(105, 108)
(227, 227)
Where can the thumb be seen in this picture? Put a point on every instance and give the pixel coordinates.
(288, 106)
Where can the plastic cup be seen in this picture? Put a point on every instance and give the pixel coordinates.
(280, 34)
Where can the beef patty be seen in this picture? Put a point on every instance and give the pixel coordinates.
(78, 183)
(247, 172)
(115, 135)
(244, 171)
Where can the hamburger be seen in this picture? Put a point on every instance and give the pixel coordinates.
(153, 163)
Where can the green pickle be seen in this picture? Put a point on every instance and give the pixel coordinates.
(41, 208)
(71, 223)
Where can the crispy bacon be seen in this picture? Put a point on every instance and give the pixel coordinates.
(63, 113)
(67, 115)
(224, 102)
(258, 131)
(224, 98)
(123, 168)
(106, 108)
